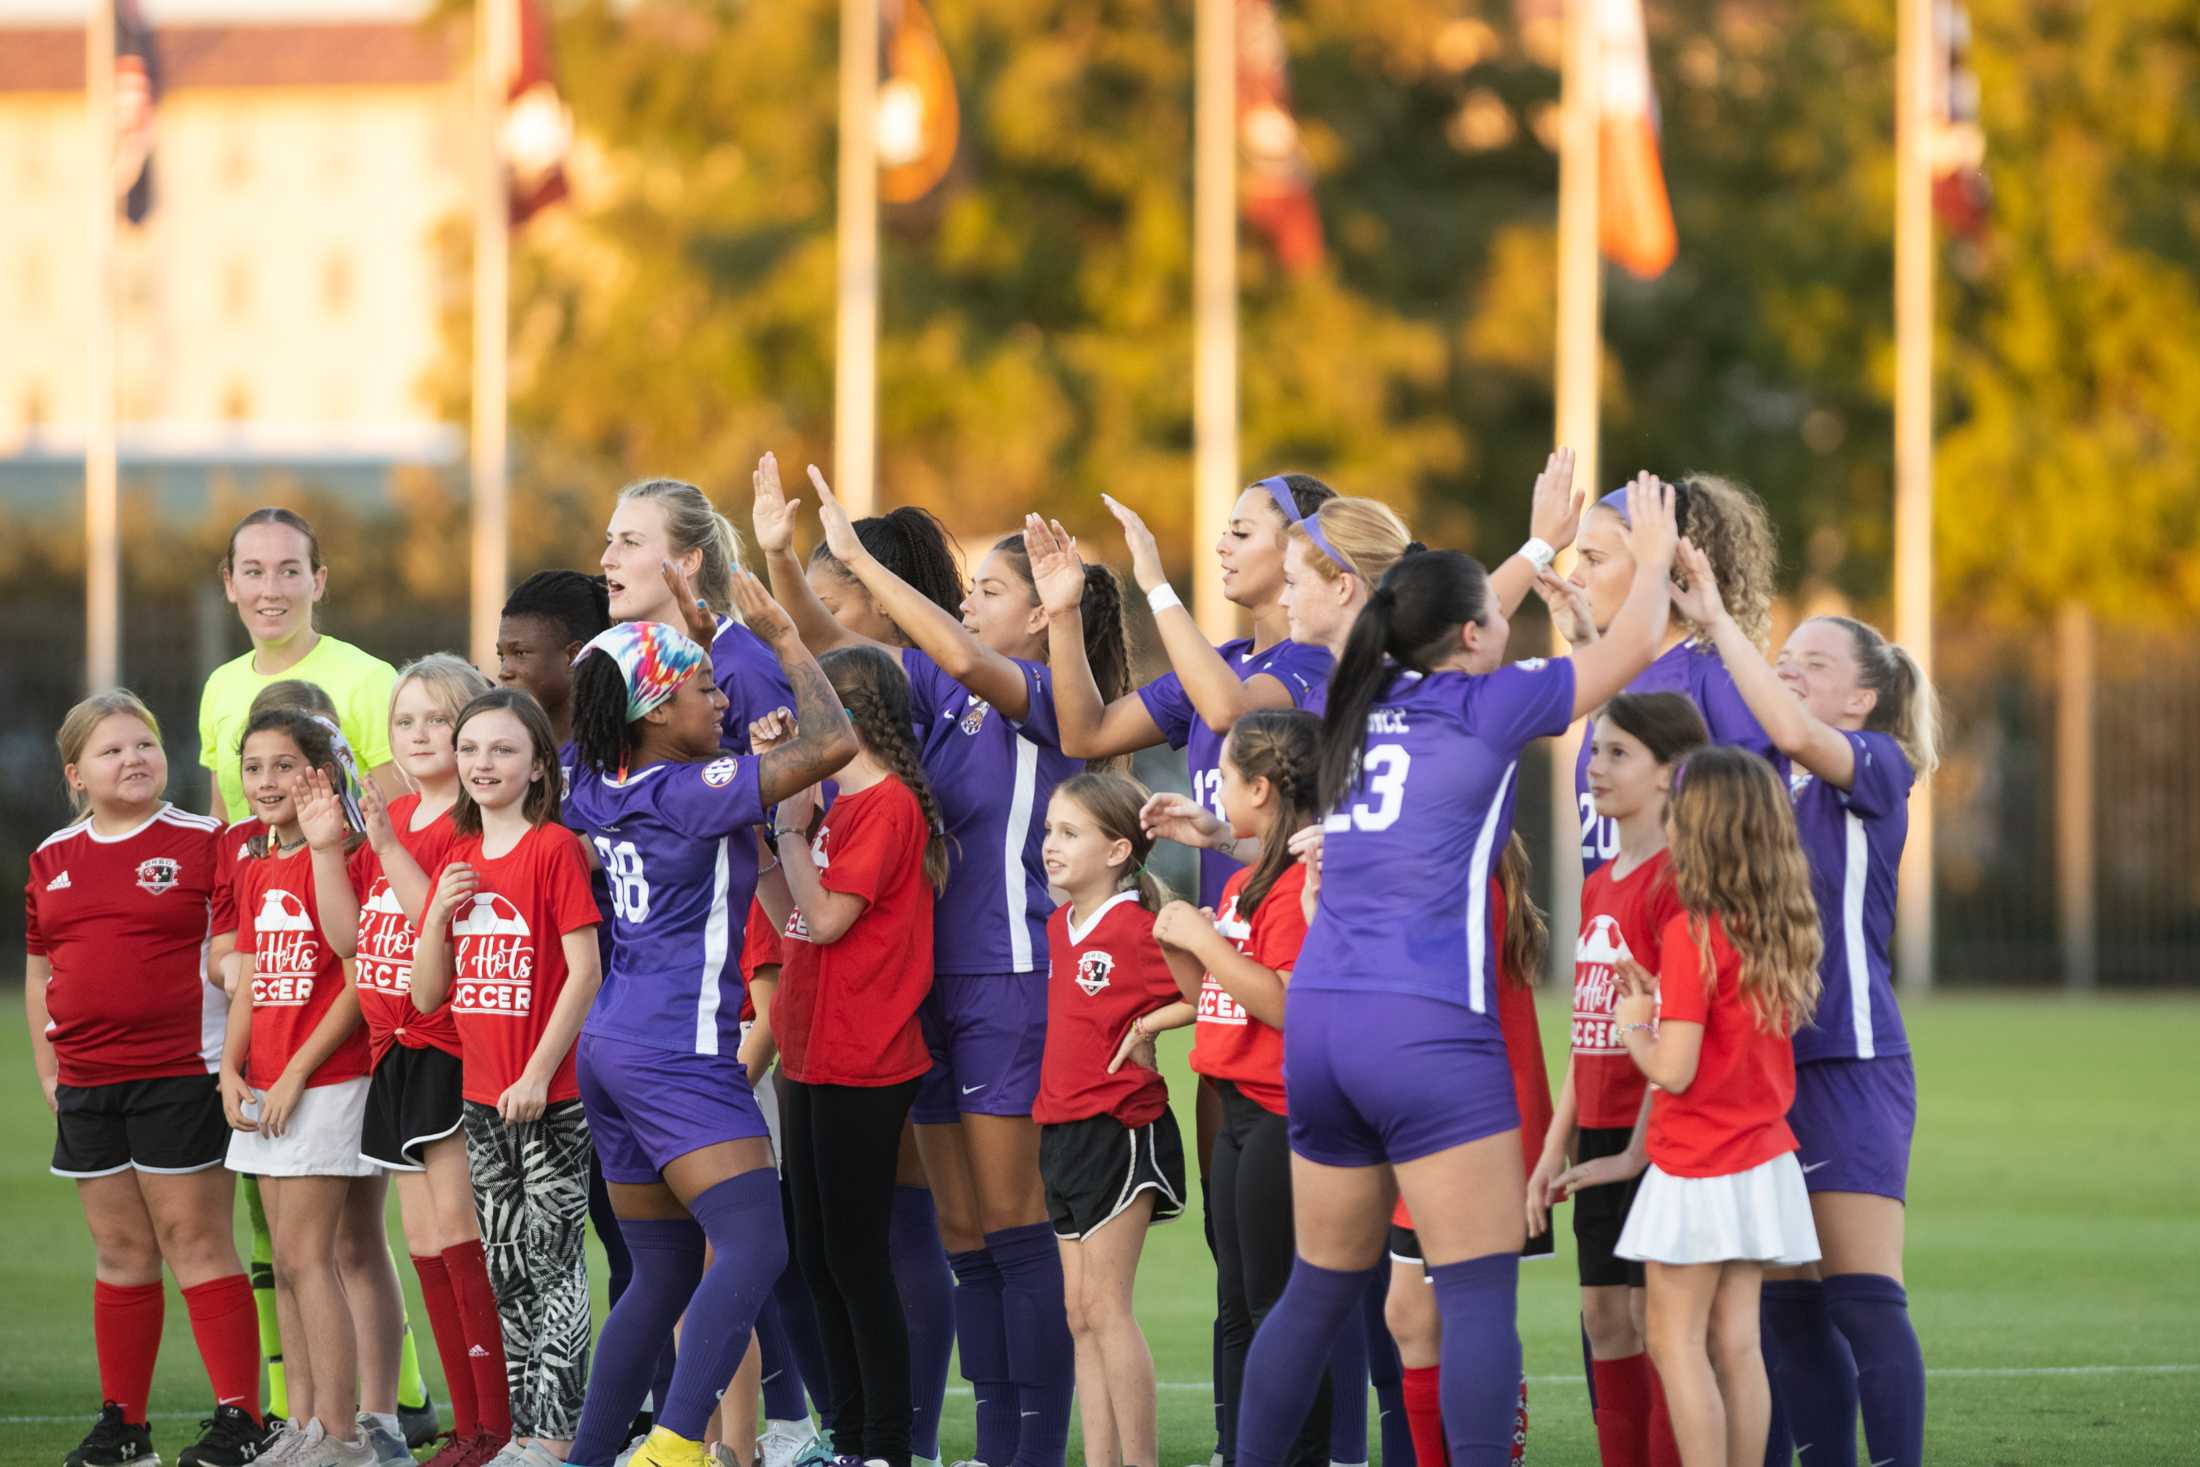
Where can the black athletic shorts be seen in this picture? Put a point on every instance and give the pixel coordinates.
(167, 1125)
(414, 1098)
(1405, 1245)
(1600, 1213)
(1094, 1167)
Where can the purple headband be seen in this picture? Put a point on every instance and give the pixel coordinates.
(1616, 502)
(1286, 506)
(1312, 524)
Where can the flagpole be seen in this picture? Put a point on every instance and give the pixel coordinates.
(1214, 305)
(855, 357)
(1913, 443)
(102, 542)
(1579, 366)
(492, 287)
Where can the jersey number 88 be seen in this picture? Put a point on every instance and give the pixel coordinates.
(622, 871)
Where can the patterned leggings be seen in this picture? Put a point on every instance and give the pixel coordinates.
(531, 1196)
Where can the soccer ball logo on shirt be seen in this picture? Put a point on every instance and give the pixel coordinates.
(1603, 947)
(385, 942)
(495, 960)
(1093, 969)
(159, 874)
(286, 951)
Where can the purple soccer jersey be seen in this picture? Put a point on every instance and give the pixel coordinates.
(1407, 860)
(992, 777)
(1696, 671)
(1303, 669)
(748, 673)
(678, 847)
(1853, 839)
(598, 887)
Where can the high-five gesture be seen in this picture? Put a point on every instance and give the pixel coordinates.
(320, 812)
(760, 613)
(696, 617)
(1057, 573)
(773, 513)
(1146, 566)
(1699, 600)
(1555, 505)
(1651, 531)
(840, 531)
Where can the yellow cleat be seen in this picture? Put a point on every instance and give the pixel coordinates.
(667, 1449)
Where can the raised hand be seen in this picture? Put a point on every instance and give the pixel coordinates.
(773, 513)
(1569, 605)
(374, 812)
(1699, 599)
(1651, 531)
(1180, 818)
(696, 617)
(840, 531)
(1554, 505)
(320, 812)
(1146, 567)
(772, 730)
(759, 612)
(1057, 574)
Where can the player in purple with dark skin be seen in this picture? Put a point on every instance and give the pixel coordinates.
(1855, 725)
(982, 691)
(1399, 1080)
(675, 822)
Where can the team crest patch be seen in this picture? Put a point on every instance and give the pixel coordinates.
(973, 717)
(719, 773)
(1092, 972)
(158, 874)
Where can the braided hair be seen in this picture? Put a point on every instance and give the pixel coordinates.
(1278, 745)
(876, 694)
(578, 605)
(1107, 643)
(602, 738)
(913, 544)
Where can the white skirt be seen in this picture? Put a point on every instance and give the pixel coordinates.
(1761, 1216)
(322, 1139)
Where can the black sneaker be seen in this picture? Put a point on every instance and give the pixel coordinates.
(418, 1423)
(230, 1438)
(113, 1442)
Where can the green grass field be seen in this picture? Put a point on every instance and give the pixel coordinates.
(2054, 1260)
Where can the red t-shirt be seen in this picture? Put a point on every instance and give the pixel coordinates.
(759, 950)
(846, 1013)
(233, 846)
(382, 961)
(122, 919)
(508, 955)
(1620, 919)
(1733, 1115)
(1227, 1042)
(1523, 1050)
(296, 975)
(1102, 974)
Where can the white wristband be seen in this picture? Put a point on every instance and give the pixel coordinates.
(1537, 553)
(1162, 597)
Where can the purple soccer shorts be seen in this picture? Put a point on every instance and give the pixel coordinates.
(1853, 1120)
(987, 1033)
(648, 1107)
(1390, 1077)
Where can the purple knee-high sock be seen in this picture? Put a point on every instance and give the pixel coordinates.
(1480, 1360)
(1037, 1325)
(784, 1398)
(1872, 1312)
(1813, 1376)
(981, 1336)
(1348, 1392)
(749, 1247)
(668, 1260)
(928, 1303)
(1387, 1374)
(1290, 1355)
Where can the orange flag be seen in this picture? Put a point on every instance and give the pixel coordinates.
(1635, 218)
(919, 122)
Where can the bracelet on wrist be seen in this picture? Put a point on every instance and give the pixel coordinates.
(1627, 1029)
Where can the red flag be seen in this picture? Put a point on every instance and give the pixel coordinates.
(1276, 181)
(1635, 218)
(137, 91)
(1962, 196)
(537, 128)
(919, 123)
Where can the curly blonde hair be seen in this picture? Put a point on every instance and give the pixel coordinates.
(1729, 524)
(1736, 856)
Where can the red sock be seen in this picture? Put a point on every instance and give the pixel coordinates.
(1425, 1416)
(226, 1323)
(126, 1321)
(1623, 1410)
(449, 1329)
(1520, 1424)
(1664, 1451)
(484, 1335)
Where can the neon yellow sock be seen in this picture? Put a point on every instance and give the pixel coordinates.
(263, 1298)
(412, 1387)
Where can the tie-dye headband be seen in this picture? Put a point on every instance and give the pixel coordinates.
(653, 658)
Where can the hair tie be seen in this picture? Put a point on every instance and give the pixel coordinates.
(1287, 504)
(653, 659)
(1413, 547)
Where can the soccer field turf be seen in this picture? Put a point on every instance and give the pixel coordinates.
(2054, 1258)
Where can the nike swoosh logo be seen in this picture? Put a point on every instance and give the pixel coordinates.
(1814, 1166)
(973, 1090)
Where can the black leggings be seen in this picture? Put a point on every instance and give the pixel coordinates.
(842, 1142)
(1254, 1245)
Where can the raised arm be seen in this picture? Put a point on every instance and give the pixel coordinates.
(407, 881)
(774, 519)
(1090, 727)
(321, 816)
(824, 739)
(1554, 517)
(927, 625)
(1213, 687)
(1607, 665)
(1794, 730)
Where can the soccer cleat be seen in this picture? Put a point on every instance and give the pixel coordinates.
(816, 1452)
(228, 1438)
(389, 1450)
(465, 1451)
(114, 1442)
(419, 1423)
(665, 1448)
(781, 1443)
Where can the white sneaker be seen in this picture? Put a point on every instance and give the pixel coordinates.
(781, 1442)
(389, 1448)
(624, 1457)
(329, 1452)
(278, 1447)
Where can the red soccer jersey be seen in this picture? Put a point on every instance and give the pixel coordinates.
(508, 955)
(1227, 1042)
(846, 1013)
(296, 976)
(759, 950)
(1733, 1115)
(1103, 973)
(382, 963)
(1620, 919)
(233, 846)
(123, 919)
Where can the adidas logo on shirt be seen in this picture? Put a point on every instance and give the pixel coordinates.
(477, 1353)
(59, 883)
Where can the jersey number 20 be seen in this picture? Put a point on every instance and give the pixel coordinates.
(1384, 769)
(622, 871)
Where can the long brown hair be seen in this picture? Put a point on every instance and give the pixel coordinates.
(1907, 707)
(1113, 801)
(1107, 644)
(1736, 856)
(541, 803)
(875, 692)
(1278, 745)
(1527, 930)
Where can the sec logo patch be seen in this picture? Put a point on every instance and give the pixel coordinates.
(719, 773)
